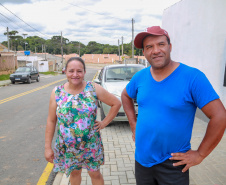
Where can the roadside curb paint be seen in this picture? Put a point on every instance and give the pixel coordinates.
(45, 175)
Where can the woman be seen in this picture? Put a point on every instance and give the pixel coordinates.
(73, 106)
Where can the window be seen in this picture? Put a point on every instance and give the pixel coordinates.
(100, 75)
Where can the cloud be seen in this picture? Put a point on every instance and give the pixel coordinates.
(16, 1)
(102, 21)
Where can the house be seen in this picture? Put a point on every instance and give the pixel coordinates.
(67, 57)
(8, 60)
(100, 58)
(54, 61)
(41, 64)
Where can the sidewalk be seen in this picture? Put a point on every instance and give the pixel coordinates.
(5, 82)
(119, 159)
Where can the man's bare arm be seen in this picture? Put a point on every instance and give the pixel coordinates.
(216, 112)
(128, 107)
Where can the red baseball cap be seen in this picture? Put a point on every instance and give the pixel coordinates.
(154, 30)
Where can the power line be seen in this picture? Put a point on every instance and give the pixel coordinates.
(7, 22)
(12, 24)
(95, 12)
(8, 19)
(24, 21)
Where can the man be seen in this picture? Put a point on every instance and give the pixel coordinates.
(168, 94)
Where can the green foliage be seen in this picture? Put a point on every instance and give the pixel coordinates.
(4, 77)
(53, 46)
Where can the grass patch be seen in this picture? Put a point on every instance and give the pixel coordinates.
(49, 73)
(4, 77)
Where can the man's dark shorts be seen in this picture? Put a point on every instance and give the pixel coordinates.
(161, 174)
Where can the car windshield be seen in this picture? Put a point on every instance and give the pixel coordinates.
(23, 69)
(121, 73)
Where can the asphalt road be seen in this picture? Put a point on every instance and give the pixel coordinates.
(23, 114)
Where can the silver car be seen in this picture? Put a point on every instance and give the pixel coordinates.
(114, 79)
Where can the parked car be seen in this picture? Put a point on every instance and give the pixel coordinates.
(25, 74)
(63, 70)
(114, 79)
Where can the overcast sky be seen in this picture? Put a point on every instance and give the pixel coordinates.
(103, 21)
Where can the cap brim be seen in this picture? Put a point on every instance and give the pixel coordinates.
(138, 41)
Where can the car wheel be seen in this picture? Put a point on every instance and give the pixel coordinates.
(38, 79)
(102, 116)
(29, 80)
(13, 82)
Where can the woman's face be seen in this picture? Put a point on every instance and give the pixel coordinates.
(75, 72)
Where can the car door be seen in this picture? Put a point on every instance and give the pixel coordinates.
(33, 73)
(36, 73)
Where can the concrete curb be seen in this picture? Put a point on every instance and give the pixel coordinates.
(5, 83)
(8, 82)
(61, 179)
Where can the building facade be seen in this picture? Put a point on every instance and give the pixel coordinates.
(198, 35)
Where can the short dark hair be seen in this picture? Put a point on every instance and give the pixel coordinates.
(77, 59)
(168, 40)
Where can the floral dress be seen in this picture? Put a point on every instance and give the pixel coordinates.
(78, 145)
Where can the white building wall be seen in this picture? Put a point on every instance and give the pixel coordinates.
(27, 58)
(43, 66)
(197, 29)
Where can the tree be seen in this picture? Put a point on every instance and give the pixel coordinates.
(12, 38)
(94, 48)
(53, 45)
(34, 43)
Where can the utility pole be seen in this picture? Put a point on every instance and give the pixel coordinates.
(132, 39)
(8, 37)
(25, 46)
(61, 49)
(45, 51)
(24, 34)
(122, 46)
(79, 49)
(118, 50)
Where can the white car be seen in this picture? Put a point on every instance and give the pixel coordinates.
(114, 79)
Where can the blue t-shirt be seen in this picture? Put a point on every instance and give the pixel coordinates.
(166, 111)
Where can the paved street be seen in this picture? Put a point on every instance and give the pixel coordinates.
(119, 159)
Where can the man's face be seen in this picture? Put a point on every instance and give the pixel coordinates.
(157, 51)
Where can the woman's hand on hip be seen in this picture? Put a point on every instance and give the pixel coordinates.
(99, 125)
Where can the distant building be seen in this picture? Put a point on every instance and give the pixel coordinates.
(67, 57)
(8, 60)
(100, 58)
(38, 62)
